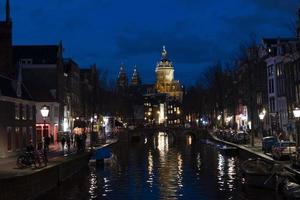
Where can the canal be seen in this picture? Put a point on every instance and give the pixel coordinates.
(162, 168)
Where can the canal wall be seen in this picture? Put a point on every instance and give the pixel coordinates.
(32, 185)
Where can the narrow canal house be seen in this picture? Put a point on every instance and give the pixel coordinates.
(17, 117)
(17, 110)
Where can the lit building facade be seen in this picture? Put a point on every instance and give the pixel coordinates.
(44, 75)
(17, 118)
(163, 105)
(165, 82)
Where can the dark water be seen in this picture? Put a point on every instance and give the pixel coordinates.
(162, 168)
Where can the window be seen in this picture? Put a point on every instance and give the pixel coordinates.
(272, 104)
(297, 93)
(279, 70)
(24, 112)
(17, 138)
(9, 138)
(270, 70)
(23, 137)
(30, 114)
(271, 86)
(17, 111)
(26, 61)
(30, 133)
(259, 98)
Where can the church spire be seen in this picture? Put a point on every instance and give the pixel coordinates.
(164, 54)
(8, 17)
(135, 79)
(122, 80)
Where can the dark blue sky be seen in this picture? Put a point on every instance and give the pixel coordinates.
(108, 32)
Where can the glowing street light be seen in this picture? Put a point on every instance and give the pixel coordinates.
(262, 115)
(296, 113)
(45, 113)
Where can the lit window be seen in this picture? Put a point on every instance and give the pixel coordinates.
(17, 138)
(17, 111)
(24, 112)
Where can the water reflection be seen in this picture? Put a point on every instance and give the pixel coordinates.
(226, 173)
(180, 171)
(189, 140)
(160, 169)
(150, 169)
(168, 168)
(93, 184)
(163, 144)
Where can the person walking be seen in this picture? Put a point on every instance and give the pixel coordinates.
(63, 141)
(68, 143)
(46, 142)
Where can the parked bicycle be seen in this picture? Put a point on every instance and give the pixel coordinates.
(29, 159)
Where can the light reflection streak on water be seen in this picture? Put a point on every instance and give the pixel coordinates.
(93, 184)
(198, 162)
(150, 169)
(163, 145)
(170, 168)
(189, 140)
(106, 186)
(180, 171)
(221, 172)
(226, 173)
(231, 171)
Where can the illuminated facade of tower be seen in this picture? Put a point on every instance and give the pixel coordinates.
(122, 81)
(165, 82)
(135, 79)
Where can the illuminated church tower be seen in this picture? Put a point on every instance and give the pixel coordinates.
(122, 81)
(135, 79)
(6, 67)
(165, 82)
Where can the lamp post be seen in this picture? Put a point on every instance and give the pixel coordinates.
(261, 117)
(45, 113)
(296, 113)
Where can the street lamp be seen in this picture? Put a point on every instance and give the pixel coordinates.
(45, 113)
(296, 113)
(261, 116)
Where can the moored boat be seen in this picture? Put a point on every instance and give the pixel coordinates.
(260, 173)
(291, 190)
(229, 150)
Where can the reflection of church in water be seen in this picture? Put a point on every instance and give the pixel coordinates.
(162, 100)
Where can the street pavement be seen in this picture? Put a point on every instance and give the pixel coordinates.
(9, 168)
(56, 155)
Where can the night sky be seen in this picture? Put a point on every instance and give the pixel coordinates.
(107, 32)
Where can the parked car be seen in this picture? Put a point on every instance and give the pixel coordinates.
(283, 149)
(268, 142)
